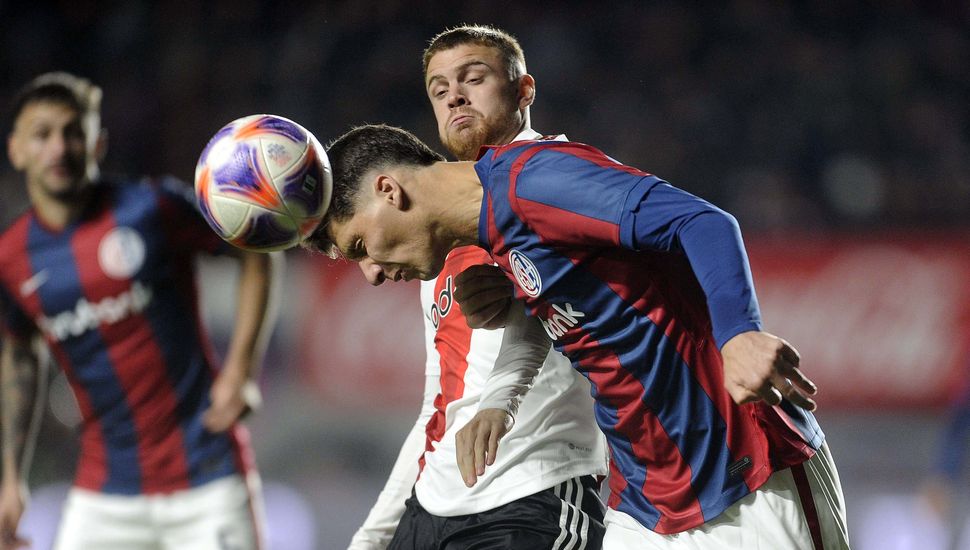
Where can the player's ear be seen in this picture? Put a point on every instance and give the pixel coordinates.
(101, 145)
(390, 191)
(527, 90)
(13, 153)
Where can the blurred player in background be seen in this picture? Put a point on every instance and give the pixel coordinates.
(648, 291)
(543, 489)
(104, 273)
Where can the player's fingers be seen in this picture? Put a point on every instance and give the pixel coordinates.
(474, 301)
(470, 285)
(493, 438)
(491, 315)
(463, 453)
(790, 392)
(481, 446)
(481, 275)
(797, 377)
(789, 353)
(770, 394)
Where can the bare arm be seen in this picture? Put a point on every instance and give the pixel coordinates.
(235, 391)
(23, 378)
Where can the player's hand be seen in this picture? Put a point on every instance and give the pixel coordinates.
(484, 294)
(476, 444)
(758, 365)
(13, 499)
(232, 397)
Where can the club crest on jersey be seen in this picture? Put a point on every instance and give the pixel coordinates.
(121, 253)
(525, 273)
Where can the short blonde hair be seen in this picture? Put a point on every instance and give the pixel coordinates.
(508, 47)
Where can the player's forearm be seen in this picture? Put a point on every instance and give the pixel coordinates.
(19, 373)
(257, 303)
(525, 346)
(671, 219)
(713, 244)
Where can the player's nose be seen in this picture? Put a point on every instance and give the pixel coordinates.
(456, 98)
(57, 145)
(372, 272)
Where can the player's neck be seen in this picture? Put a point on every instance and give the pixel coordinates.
(456, 195)
(57, 212)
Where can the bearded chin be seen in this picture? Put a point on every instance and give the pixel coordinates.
(465, 146)
(494, 131)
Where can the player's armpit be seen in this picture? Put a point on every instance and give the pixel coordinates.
(484, 294)
(476, 444)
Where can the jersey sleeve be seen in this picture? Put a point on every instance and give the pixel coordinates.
(670, 219)
(183, 219)
(523, 351)
(571, 194)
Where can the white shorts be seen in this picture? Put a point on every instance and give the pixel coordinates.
(800, 508)
(220, 515)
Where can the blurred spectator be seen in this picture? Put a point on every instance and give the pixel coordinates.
(853, 113)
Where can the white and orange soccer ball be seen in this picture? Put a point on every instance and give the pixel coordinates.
(263, 183)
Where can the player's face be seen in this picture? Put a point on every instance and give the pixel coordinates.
(49, 145)
(388, 244)
(474, 102)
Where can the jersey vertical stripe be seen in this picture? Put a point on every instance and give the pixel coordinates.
(452, 340)
(97, 380)
(137, 356)
(184, 348)
(636, 324)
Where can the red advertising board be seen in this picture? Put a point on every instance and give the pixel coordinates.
(880, 321)
(359, 345)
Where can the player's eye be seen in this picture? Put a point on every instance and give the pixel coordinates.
(358, 250)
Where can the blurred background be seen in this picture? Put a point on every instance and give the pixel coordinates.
(838, 132)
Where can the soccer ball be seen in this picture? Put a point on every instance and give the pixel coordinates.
(263, 183)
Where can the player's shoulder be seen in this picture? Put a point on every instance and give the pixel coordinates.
(13, 234)
(550, 147)
(163, 187)
(16, 223)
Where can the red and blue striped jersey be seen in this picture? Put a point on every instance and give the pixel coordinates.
(639, 283)
(114, 296)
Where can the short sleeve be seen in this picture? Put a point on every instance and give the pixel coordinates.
(183, 219)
